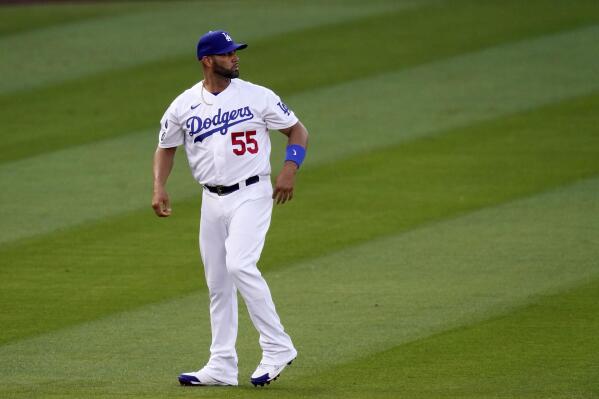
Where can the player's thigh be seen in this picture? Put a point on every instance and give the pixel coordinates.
(212, 238)
(247, 230)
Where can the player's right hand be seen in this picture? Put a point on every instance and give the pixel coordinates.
(161, 204)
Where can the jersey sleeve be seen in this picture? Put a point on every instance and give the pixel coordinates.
(170, 134)
(277, 115)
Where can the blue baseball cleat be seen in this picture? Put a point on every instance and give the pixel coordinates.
(265, 373)
(199, 378)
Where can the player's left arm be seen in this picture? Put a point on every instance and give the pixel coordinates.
(298, 136)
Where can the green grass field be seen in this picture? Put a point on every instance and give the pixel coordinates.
(443, 241)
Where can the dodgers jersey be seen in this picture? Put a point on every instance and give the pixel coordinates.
(225, 136)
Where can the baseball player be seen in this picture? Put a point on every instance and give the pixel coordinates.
(223, 123)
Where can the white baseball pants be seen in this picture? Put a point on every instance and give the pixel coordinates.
(232, 232)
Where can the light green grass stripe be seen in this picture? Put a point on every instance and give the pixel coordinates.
(157, 31)
(338, 307)
(47, 192)
(376, 112)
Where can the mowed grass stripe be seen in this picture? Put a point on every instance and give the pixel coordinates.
(118, 102)
(547, 349)
(17, 19)
(124, 262)
(404, 105)
(154, 30)
(379, 44)
(373, 113)
(338, 308)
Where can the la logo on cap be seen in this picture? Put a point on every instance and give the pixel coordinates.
(227, 37)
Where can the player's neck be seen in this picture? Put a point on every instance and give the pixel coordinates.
(215, 83)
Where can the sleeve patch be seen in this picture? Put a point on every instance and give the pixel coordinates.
(284, 108)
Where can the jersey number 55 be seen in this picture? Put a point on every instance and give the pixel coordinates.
(244, 141)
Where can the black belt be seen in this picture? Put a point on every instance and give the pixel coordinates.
(224, 190)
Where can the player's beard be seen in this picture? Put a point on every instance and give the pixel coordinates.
(226, 73)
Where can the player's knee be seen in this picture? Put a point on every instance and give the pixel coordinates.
(217, 287)
(239, 268)
(235, 269)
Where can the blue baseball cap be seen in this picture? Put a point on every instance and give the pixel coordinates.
(217, 42)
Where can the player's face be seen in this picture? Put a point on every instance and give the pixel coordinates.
(226, 65)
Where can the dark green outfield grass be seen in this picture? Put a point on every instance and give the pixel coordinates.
(20, 19)
(452, 258)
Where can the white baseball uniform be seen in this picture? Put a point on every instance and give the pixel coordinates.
(227, 142)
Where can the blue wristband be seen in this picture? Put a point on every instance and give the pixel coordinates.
(295, 153)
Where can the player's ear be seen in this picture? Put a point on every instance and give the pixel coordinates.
(207, 61)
